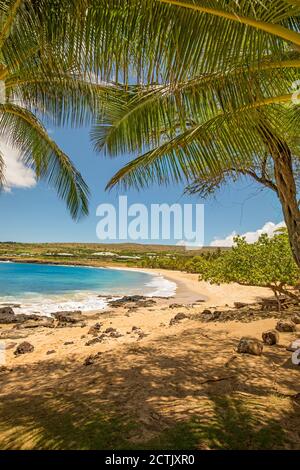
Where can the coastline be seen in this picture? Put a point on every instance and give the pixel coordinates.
(184, 288)
(187, 288)
(139, 360)
(43, 303)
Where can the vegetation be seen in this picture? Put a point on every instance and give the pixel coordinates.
(266, 263)
(46, 80)
(210, 110)
(126, 254)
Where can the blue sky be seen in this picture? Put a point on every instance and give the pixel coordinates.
(35, 214)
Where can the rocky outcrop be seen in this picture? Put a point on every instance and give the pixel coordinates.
(112, 332)
(7, 315)
(139, 332)
(93, 341)
(130, 301)
(240, 305)
(94, 329)
(40, 322)
(246, 314)
(250, 346)
(68, 317)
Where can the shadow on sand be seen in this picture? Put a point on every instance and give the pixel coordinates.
(184, 391)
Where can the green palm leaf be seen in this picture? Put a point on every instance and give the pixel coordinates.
(23, 131)
(229, 139)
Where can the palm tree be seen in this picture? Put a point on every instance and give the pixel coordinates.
(218, 107)
(44, 76)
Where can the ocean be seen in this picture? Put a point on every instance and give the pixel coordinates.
(44, 289)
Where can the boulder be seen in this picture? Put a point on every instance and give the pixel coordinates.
(115, 334)
(89, 360)
(250, 346)
(94, 330)
(296, 318)
(51, 351)
(24, 348)
(180, 316)
(270, 337)
(110, 330)
(206, 312)
(7, 315)
(175, 321)
(285, 326)
(141, 335)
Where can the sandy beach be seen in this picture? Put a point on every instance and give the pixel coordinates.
(147, 368)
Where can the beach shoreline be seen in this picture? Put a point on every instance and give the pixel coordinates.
(186, 286)
(155, 360)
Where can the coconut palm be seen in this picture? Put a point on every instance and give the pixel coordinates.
(224, 107)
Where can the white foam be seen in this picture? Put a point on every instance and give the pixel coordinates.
(47, 305)
(32, 303)
(162, 287)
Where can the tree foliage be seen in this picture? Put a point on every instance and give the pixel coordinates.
(265, 263)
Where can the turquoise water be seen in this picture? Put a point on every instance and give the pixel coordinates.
(44, 288)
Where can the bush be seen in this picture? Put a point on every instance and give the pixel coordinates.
(266, 263)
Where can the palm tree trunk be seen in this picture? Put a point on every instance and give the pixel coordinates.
(286, 189)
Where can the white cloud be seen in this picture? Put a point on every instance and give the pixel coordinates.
(251, 237)
(17, 175)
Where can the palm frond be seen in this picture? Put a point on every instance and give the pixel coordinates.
(249, 13)
(165, 42)
(228, 140)
(144, 112)
(63, 99)
(23, 131)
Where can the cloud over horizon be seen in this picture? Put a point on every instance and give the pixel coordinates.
(251, 237)
(17, 175)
